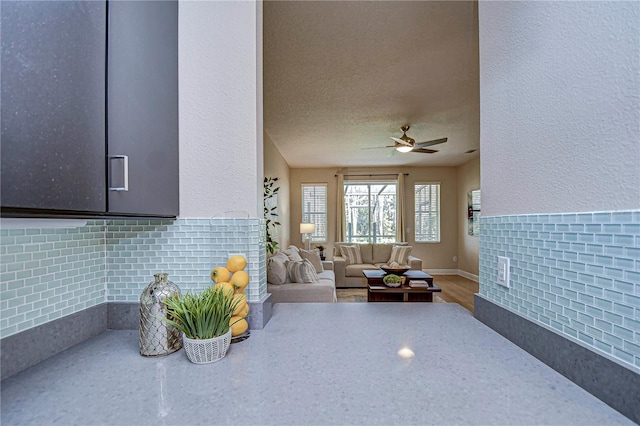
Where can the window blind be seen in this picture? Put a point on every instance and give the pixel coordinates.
(427, 212)
(314, 209)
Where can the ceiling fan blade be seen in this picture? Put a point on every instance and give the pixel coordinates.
(400, 141)
(392, 153)
(424, 150)
(380, 147)
(431, 143)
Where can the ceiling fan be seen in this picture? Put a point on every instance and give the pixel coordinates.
(406, 144)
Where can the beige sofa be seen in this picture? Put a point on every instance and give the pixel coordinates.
(323, 291)
(373, 255)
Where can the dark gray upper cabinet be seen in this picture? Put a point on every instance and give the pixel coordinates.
(143, 107)
(52, 105)
(88, 88)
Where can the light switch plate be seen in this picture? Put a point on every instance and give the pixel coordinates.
(504, 264)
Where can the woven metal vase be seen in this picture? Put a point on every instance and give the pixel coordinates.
(157, 338)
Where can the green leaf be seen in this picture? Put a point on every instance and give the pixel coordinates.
(203, 315)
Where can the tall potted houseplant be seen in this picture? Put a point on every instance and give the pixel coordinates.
(271, 212)
(204, 320)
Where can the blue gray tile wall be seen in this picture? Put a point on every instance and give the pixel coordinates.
(186, 249)
(576, 273)
(50, 273)
(138, 249)
(246, 237)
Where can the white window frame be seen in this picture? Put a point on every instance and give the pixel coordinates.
(421, 207)
(370, 183)
(318, 217)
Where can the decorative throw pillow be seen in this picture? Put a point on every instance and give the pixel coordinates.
(280, 255)
(314, 257)
(400, 254)
(277, 269)
(293, 253)
(351, 254)
(302, 272)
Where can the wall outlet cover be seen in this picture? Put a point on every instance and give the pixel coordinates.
(504, 266)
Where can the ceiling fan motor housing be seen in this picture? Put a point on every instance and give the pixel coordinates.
(407, 144)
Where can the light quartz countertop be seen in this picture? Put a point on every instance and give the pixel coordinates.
(313, 364)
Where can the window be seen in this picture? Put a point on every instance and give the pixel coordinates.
(314, 209)
(427, 206)
(370, 212)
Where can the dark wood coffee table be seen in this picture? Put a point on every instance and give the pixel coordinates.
(378, 292)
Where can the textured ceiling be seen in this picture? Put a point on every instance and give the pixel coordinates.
(341, 77)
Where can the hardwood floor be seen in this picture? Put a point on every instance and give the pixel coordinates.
(457, 289)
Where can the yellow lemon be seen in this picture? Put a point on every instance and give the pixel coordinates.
(241, 301)
(239, 280)
(244, 312)
(236, 263)
(220, 274)
(225, 287)
(238, 326)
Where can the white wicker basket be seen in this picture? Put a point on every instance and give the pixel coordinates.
(204, 351)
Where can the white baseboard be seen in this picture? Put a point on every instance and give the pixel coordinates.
(441, 271)
(460, 272)
(468, 275)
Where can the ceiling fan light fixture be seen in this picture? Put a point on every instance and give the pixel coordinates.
(403, 148)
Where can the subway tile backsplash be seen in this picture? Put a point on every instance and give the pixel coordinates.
(576, 273)
(47, 273)
(136, 250)
(242, 236)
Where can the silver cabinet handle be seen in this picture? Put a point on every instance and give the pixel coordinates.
(125, 160)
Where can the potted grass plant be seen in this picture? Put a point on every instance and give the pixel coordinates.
(203, 318)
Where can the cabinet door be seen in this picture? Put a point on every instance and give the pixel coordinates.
(143, 107)
(53, 105)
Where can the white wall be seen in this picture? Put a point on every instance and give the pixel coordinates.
(468, 245)
(560, 108)
(434, 255)
(220, 109)
(276, 166)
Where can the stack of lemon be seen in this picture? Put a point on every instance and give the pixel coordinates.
(234, 279)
